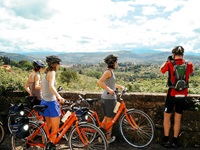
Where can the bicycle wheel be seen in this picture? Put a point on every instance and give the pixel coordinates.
(28, 112)
(93, 138)
(40, 139)
(143, 133)
(2, 133)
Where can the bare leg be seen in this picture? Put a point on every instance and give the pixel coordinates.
(109, 131)
(177, 124)
(53, 124)
(167, 123)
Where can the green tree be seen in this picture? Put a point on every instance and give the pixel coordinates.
(25, 65)
(68, 75)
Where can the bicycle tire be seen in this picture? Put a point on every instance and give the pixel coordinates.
(40, 138)
(28, 113)
(2, 133)
(96, 138)
(143, 134)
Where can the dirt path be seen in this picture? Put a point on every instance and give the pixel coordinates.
(117, 145)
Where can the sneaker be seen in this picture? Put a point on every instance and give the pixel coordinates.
(112, 139)
(166, 144)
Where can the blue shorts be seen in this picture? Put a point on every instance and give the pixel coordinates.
(53, 109)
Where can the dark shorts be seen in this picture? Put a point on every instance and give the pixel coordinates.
(174, 102)
(108, 106)
(53, 109)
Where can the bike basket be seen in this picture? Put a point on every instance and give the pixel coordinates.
(81, 112)
(21, 127)
(15, 109)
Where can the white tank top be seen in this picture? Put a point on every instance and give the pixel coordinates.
(47, 95)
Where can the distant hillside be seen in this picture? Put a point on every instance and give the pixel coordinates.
(17, 57)
(97, 57)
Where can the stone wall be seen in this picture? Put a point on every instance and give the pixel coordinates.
(151, 103)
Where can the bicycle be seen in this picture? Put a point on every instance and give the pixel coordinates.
(136, 127)
(82, 135)
(26, 110)
(2, 133)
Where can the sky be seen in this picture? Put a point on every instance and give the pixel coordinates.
(98, 25)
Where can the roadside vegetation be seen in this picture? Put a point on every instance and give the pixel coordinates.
(136, 77)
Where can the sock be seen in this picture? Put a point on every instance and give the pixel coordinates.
(175, 140)
(166, 139)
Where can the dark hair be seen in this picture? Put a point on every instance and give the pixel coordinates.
(178, 50)
(110, 60)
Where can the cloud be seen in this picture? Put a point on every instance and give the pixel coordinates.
(98, 25)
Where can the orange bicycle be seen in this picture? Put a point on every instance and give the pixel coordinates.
(82, 135)
(136, 127)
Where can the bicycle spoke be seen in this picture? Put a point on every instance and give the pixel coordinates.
(142, 134)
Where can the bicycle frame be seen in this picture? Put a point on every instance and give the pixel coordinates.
(122, 110)
(62, 130)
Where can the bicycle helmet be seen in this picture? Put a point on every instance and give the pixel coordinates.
(52, 59)
(39, 63)
(178, 50)
(110, 59)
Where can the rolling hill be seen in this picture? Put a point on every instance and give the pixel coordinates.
(97, 57)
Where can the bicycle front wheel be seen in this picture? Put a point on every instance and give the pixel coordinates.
(37, 142)
(92, 138)
(141, 133)
(2, 133)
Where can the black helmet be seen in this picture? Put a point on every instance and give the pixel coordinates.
(52, 59)
(178, 50)
(38, 63)
(110, 59)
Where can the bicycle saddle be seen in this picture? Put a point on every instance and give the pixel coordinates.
(91, 100)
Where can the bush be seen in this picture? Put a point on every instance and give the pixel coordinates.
(68, 75)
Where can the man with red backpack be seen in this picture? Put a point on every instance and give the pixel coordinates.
(179, 72)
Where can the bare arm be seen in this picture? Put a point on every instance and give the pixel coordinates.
(27, 86)
(51, 78)
(37, 82)
(119, 87)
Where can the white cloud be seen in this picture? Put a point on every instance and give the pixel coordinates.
(96, 25)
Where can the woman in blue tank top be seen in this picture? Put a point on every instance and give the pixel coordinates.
(108, 97)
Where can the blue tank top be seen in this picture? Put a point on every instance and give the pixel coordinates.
(110, 82)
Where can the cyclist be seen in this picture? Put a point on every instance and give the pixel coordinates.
(51, 97)
(108, 97)
(33, 86)
(175, 98)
